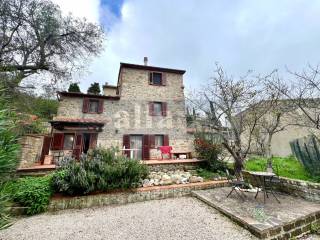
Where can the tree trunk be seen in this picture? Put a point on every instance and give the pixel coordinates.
(238, 166)
(268, 153)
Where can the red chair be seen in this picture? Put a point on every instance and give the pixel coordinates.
(166, 150)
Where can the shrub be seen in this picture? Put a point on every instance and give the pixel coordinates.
(100, 170)
(33, 193)
(9, 149)
(209, 149)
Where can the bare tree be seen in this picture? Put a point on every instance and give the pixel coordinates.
(303, 94)
(35, 37)
(277, 117)
(225, 102)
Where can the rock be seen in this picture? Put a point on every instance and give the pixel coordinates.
(200, 179)
(146, 183)
(167, 182)
(165, 177)
(195, 179)
(184, 180)
(156, 182)
(151, 182)
(158, 177)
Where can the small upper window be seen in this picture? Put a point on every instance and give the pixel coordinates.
(68, 141)
(156, 78)
(157, 108)
(93, 105)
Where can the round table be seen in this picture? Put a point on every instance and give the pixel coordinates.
(263, 179)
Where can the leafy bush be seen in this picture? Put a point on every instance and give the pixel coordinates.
(33, 193)
(101, 170)
(9, 149)
(31, 127)
(208, 149)
(4, 209)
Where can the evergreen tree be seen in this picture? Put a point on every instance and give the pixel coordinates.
(74, 87)
(94, 88)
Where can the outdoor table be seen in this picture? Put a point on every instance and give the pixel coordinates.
(264, 180)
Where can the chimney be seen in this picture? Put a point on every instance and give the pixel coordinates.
(145, 60)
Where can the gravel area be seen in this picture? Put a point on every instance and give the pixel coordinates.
(178, 218)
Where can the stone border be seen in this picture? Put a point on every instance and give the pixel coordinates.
(299, 188)
(131, 196)
(296, 228)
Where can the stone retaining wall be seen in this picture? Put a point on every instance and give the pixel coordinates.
(173, 167)
(298, 188)
(131, 196)
(307, 190)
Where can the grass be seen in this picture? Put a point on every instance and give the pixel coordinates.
(288, 167)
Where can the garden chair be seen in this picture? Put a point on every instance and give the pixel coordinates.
(236, 185)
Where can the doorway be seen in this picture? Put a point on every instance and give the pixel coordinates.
(136, 147)
(86, 142)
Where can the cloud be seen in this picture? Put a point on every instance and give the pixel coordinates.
(193, 35)
(81, 8)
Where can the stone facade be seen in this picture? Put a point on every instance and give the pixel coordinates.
(31, 146)
(130, 114)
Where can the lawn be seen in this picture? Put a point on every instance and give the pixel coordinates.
(288, 167)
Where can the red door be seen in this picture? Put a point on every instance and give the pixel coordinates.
(45, 148)
(77, 149)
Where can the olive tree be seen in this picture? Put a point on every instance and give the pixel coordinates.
(35, 38)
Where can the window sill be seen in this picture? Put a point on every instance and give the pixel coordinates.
(158, 85)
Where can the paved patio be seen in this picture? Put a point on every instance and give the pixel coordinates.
(288, 219)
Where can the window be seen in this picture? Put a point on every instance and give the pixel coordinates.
(68, 141)
(158, 141)
(93, 106)
(157, 108)
(156, 78)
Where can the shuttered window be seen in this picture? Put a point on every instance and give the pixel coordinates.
(92, 105)
(57, 141)
(157, 108)
(157, 78)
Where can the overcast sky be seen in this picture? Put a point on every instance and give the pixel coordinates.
(193, 35)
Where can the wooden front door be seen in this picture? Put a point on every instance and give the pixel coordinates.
(45, 148)
(77, 147)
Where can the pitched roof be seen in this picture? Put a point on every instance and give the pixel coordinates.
(151, 68)
(77, 120)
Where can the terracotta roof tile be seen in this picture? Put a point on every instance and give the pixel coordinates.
(77, 120)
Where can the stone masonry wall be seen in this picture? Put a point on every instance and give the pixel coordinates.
(130, 114)
(131, 196)
(31, 146)
(307, 190)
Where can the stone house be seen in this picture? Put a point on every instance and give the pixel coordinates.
(293, 124)
(145, 110)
